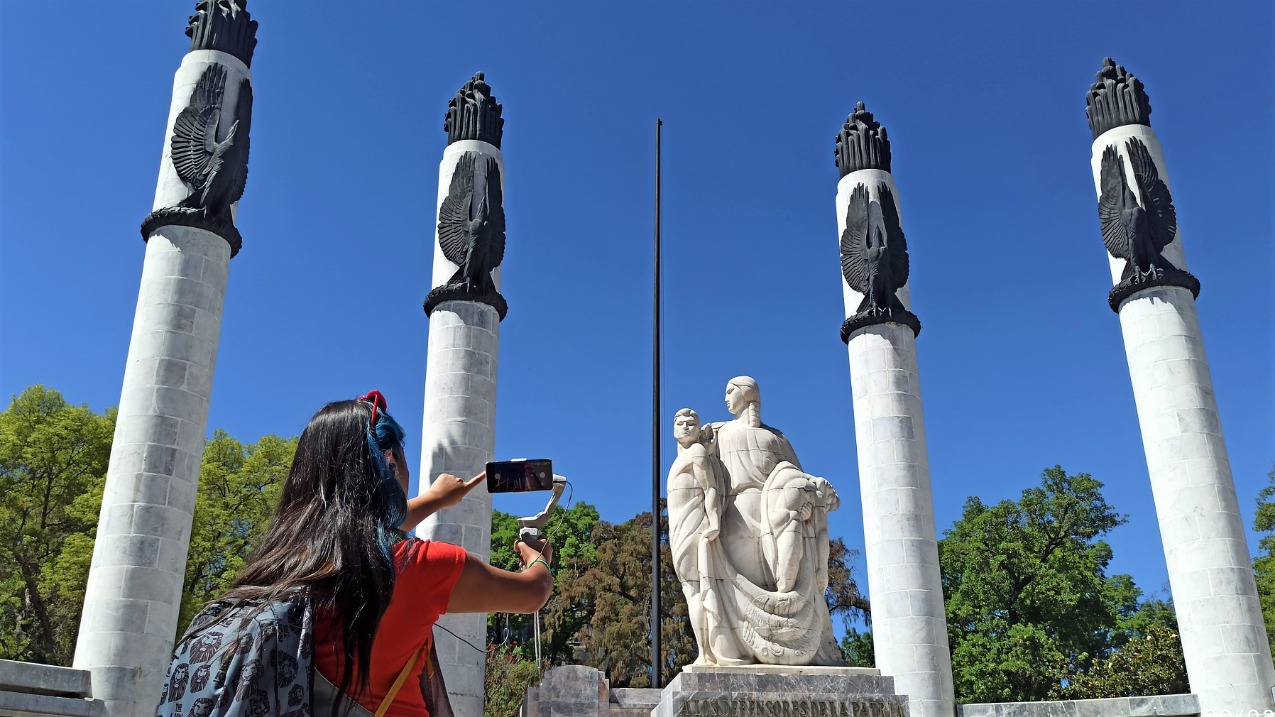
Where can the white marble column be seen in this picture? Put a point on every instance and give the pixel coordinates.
(1224, 641)
(139, 558)
(459, 437)
(909, 624)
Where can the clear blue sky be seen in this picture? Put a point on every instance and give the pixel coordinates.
(1022, 363)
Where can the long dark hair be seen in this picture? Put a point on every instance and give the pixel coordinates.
(333, 531)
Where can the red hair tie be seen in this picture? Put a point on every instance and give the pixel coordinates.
(377, 400)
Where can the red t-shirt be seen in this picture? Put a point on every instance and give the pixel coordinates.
(423, 585)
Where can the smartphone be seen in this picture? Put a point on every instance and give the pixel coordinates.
(519, 475)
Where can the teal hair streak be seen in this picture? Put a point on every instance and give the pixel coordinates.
(388, 435)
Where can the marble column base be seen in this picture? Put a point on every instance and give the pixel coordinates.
(781, 691)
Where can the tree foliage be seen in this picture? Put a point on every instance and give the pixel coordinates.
(1029, 603)
(1264, 563)
(843, 595)
(53, 459)
(858, 648)
(509, 674)
(1146, 661)
(239, 486)
(614, 592)
(570, 531)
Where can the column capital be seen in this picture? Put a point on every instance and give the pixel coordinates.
(1116, 99)
(223, 25)
(474, 113)
(862, 143)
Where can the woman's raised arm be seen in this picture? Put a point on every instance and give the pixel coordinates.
(485, 588)
(446, 490)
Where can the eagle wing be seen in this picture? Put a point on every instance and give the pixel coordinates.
(1156, 199)
(453, 215)
(243, 123)
(895, 241)
(1112, 181)
(854, 241)
(496, 209)
(196, 126)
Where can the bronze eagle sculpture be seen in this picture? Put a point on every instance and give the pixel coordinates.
(874, 251)
(1133, 231)
(209, 157)
(471, 223)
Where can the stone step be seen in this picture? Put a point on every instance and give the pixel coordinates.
(632, 701)
(36, 679)
(22, 704)
(1187, 705)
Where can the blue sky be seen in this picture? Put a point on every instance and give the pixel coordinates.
(1022, 363)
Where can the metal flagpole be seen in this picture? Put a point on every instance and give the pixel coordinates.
(656, 678)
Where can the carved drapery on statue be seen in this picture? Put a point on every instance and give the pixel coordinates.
(874, 260)
(223, 25)
(862, 143)
(474, 114)
(209, 150)
(471, 233)
(749, 536)
(1116, 99)
(1138, 231)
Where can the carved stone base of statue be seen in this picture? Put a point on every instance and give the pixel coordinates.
(769, 690)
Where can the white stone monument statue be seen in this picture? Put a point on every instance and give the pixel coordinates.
(749, 536)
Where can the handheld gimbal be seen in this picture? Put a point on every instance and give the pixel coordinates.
(529, 528)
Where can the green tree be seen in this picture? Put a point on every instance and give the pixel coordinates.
(843, 596)
(1264, 563)
(1146, 661)
(614, 591)
(239, 486)
(858, 648)
(1029, 602)
(53, 459)
(570, 530)
(509, 674)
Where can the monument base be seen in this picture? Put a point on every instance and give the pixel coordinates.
(780, 691)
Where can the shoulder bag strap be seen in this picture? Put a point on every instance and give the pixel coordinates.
(398, 683)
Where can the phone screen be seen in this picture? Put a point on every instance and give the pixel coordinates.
(520, 475)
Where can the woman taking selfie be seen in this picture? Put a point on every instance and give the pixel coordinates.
(334, 580)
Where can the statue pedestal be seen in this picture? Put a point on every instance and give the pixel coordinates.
(780, 691)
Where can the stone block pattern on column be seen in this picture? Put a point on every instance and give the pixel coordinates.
(909, 624)
(1224, 639)
(134, 586)
(459, 437)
